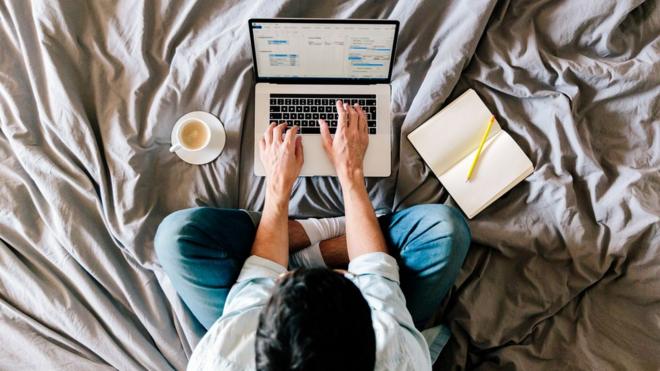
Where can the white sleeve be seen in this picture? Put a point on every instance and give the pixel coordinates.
(377, 277)
(254, 285)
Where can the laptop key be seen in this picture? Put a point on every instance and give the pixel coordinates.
(315, 116)
(285, 116)
(371, 102)
(285, 109)
(275, 116)
(280, 101)
(309, 130)
(298, 108)
(321, 109)
(372, 130)
(294, 101)
(308, 116)
(332, 130)
(306, 109)
(314, 108)
(274, 109)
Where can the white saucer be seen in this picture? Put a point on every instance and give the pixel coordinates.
(216, 144)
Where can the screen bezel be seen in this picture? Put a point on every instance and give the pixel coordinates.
(324, 80)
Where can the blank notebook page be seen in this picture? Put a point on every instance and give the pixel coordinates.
(453, 133)
(502, 164)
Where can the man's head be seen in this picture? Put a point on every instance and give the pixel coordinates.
(316, 319)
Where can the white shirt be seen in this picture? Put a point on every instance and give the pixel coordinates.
(229, 343)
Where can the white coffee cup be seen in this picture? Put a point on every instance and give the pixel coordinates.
(192, 135)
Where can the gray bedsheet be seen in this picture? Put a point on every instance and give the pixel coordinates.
(564, 269)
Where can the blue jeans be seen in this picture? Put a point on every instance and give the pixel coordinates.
(203, 249)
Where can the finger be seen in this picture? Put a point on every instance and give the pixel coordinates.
(347, 108)
(353, 117)
(325, 136)
(290, 137)
(343, 121)
(340, 107)
(362, 118)
(300, 154)
(268, 135)
(277, 132)
(342, 116)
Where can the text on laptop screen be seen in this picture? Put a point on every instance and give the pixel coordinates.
(323, 50)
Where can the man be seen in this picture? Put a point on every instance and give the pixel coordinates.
(260, 316)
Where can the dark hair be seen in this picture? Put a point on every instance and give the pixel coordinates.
(316, 319)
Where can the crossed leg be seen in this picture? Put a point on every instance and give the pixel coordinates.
(203, 249)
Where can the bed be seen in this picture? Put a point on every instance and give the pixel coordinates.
(563, 271)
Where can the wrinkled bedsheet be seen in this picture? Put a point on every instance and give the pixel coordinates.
(563, 272)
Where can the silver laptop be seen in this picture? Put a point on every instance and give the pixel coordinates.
(303, 66)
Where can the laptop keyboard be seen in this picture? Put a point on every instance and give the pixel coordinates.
(304, 110)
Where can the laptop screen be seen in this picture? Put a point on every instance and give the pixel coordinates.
(323, 49)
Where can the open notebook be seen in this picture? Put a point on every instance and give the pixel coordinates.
(448, 142)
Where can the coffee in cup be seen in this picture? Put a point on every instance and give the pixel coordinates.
(192, 135)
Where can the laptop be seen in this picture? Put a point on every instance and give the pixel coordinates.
(303, 66)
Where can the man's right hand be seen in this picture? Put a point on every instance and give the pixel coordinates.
(346, 150)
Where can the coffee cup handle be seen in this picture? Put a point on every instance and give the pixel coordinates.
(175, 147)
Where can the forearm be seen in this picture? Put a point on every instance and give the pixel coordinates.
(363, 234)
(272, 241)
(298, 239)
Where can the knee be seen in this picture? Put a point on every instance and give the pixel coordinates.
(170, 232)
(443, 228)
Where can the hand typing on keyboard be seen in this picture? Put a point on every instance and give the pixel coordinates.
(349, 145)
(282, 156)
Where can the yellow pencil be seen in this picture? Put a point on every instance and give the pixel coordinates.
(481, 146)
